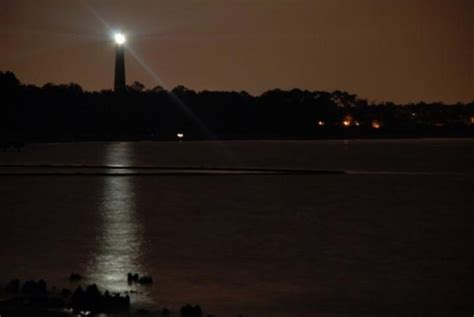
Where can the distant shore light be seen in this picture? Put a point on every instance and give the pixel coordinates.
(347, 121)
(376, 124)
(180, 135)
(119, 38)
(321, 123)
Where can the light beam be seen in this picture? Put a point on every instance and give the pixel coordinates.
(119, 38)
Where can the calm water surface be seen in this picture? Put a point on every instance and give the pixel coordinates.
(391, 237)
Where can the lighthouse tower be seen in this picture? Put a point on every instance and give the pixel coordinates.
(119, 83)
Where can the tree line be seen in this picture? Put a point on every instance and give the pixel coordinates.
(69, 113)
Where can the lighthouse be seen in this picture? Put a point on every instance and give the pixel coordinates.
(119, 83)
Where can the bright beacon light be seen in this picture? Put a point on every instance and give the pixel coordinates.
(119, 38)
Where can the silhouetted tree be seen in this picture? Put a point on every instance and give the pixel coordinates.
(137, 86)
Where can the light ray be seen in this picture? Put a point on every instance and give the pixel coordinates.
(183, 107)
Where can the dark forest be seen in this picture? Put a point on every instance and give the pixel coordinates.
(68, 113)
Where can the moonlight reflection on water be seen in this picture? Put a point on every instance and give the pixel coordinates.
(119, 245)
(392, 228)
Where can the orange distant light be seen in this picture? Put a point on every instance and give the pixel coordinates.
(321, 123)
(347, 122)
(376, 125)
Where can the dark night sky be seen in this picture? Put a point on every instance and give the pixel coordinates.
(404, 50)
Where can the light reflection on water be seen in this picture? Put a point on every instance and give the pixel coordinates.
(261, 245)
(120, 242)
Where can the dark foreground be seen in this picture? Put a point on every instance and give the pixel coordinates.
(34, 298)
